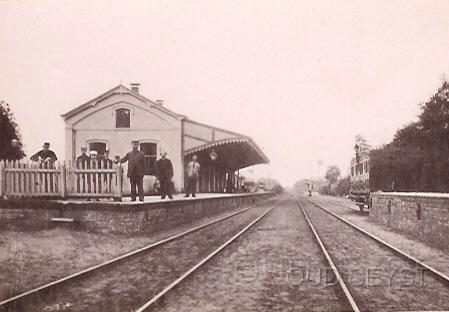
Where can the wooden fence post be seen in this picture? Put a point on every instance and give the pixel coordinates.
(63, 180)
(119, 190)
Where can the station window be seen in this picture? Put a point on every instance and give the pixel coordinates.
(150, 151)
(100, 147)
(352, 171)
(122, 118)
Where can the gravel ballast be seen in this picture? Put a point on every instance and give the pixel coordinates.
(126, 286)
(275, 266)
(377, 277)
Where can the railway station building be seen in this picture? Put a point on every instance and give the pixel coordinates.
(112, 120)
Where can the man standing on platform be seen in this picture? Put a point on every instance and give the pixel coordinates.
(136, 169)
(193, 170)
(164, 172)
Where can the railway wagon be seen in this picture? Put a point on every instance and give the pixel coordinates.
(359, 178)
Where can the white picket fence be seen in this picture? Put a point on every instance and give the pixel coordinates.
(61, 180)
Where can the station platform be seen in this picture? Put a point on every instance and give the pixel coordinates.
(125, 217)
(151, 199)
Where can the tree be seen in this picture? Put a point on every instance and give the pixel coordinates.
(9, 131)
(418, 157)
(278, 189)
(343, 186)
(332, 175)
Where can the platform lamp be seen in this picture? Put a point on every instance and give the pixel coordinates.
(213, 156)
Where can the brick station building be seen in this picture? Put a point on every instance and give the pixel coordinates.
(115, 118)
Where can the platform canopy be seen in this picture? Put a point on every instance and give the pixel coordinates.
(233, 150)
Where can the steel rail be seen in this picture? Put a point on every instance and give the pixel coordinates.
(95, 268)
(149, 304)
(380, 241)
(337, 274)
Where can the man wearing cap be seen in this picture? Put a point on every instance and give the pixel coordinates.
(136, 169)
(83, 162)
(45, 155)
(164, 172)
(46, 159)
(83, 159)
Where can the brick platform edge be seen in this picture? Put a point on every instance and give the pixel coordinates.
(118, 218)
(424, 216)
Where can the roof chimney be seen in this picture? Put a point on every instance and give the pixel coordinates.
(160, 102)
(135, 87)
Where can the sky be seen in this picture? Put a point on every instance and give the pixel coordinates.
(302, 78)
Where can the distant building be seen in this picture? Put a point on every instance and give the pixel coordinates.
(115, 118)
(359, 178)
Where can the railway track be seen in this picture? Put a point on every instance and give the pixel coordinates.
(47, 297)
(348, 247)
(149, 305)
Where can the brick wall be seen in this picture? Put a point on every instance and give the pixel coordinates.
(421, 215)
(120, 218)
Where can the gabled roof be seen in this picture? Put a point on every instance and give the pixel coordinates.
(120, 89)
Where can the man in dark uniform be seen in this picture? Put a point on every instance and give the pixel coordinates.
(83, 162)
(46, 159)
(45, 156)
(164, 172)
(83, 158)
(136, 169)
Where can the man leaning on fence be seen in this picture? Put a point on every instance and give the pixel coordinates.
(46, 159)
(136, 169)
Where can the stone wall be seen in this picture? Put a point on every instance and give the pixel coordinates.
(120, 218)
(421, 215)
